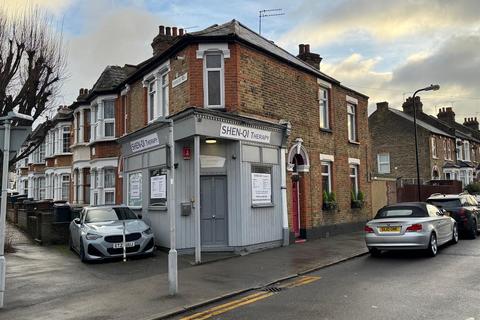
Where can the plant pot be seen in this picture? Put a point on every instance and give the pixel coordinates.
(357, 204)
(329, 206)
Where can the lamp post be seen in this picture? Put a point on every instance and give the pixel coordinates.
(432, 87)
(7, 122)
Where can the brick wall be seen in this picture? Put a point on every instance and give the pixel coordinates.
(137, 106)
(105, 149)
(269, 88)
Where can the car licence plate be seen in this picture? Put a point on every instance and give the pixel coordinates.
(120, 245)
(389, 229)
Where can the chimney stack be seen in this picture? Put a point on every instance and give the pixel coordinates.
(165, 38)
(471, 123)
(382, 106)
(408, 105)
(446, 115)
(312, 59)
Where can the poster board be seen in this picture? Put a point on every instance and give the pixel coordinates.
(261, 188)
(135, 189)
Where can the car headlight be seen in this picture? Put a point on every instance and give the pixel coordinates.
(92, 236)
(148, 231)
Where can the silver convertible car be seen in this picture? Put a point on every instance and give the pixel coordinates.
(104, 232)
(410, 225)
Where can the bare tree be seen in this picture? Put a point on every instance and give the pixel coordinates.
(32, 64)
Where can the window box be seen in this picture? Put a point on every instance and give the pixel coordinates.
(329, 201)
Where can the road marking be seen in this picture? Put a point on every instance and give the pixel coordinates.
(300, 281)
(228, 306)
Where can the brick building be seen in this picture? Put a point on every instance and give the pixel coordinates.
(447, 149)
(230, 69)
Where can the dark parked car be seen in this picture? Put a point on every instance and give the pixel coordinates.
(461, 207)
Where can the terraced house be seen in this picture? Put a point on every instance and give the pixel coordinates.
(448, 150)
(268, 149)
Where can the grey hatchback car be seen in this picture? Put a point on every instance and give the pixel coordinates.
(99, 233)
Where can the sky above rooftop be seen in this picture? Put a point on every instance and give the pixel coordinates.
(384, 49)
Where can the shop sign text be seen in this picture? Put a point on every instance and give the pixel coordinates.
(244, 133)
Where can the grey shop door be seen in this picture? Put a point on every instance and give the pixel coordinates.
(213, 210)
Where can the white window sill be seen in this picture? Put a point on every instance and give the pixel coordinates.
(353, 142)
(109, 139)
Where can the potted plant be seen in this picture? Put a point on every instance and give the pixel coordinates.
(329, 201)
(358, 199)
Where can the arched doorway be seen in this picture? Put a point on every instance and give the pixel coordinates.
(298, 164)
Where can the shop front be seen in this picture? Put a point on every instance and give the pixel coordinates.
(229, 181)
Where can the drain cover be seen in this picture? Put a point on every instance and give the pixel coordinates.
(272, 289)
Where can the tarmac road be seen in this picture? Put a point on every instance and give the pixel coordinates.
(401, 285)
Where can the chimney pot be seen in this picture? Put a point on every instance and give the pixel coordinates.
(80, 91)
(168, 31)
(180, 32)
(307, 48)
(301, 48)
(382, 106)
(174, 31)
(161, 30)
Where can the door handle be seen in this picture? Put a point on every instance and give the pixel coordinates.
(213, 216)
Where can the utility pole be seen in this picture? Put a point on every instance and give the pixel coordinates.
(267, 13)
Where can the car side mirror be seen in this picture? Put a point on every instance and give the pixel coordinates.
(76, 220)
(443, 212)
(139, 216)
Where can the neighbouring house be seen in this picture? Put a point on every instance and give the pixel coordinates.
(447, 150)
(282, 147)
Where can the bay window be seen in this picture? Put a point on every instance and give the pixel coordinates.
(109, 118)
(65, 187)
(466, 149)
(109, 185)
(66, 140)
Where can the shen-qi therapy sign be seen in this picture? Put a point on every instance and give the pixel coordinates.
(243, 133)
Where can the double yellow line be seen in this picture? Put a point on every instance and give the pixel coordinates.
(302, 280)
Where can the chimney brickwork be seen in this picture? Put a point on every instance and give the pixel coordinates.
(311, 58)
(408, 105)
(165, 38)
(446, 115)
(471, 123)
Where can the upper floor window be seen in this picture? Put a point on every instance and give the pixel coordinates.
(466, 149)
(77, 127)
(214, 80)
(94, 123)
(323, 105)
(383, 161)
(109, 118)
(434, 147)
(157, 87)
(124, 113)
(351, 122)
(66, 139)
(86, 130)
(459, 149)
(445, 152)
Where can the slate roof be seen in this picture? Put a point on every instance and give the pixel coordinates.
(461, 131)
(420, 123)
(236, 28)
(111, 77)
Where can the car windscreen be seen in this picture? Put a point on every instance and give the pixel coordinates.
(445, 203)
(401, 212)
(109, 214)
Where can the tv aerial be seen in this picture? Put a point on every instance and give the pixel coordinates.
(268, 13)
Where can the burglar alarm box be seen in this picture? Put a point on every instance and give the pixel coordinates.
(186, 208)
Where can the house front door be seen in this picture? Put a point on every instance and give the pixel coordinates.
(295, 209)
(213, 210)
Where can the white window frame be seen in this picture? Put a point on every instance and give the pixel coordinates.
(466, 150)
(352, 122)
(108, 189)
(381, 163)
(328, 174)
(355, 176)
(63, 182)
(222, 79)
(160, 89)
(65, 130)
(445, 151)
(433, 142)
(323, 107)
(108, 120)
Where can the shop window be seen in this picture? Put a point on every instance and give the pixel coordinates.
(326, 176)
(214, 80)
(323, 108)
(383, 161)
(134, 189)
(261, 185)
(158, 188)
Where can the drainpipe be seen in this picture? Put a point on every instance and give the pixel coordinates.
(196, 159)
(283, 176)
(172, 254)
(283, 170)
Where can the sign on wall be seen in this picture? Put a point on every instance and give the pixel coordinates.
(181, 79)
(261, 188)
(146, 142)
(158, 187)
(244, 133)
(135, 189)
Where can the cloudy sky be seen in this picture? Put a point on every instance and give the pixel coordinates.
(385, 49)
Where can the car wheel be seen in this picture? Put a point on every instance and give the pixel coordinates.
(432, 246)
(455, 234)
(473, 230)
(81, 253)
(374, 252)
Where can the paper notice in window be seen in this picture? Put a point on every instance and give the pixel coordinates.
(261, 188)
(158, 187)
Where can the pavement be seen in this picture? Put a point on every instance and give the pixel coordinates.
(398, 285)
(51, 282)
